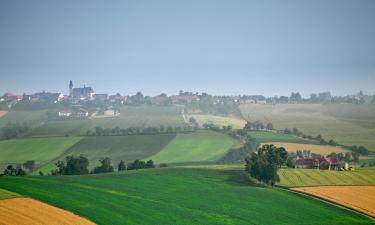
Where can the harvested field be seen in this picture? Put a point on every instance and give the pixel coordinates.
(361, 198)
(2, 113)
(27, 211)
(318, 149)
(235, 122)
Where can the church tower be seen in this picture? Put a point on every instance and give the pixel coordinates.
(71, 88)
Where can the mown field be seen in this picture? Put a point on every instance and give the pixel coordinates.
(267, 136)
(361, 198)
(130, 116)
(42, 150)
(318, 149)
(236, 123)
(345, 123)
(117, 148)
(202, 146)
(311, 177)
(178, 196)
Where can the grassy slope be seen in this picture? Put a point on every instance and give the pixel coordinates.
(127, 148)
(4, 194)
(203, 146)
(33, 117)
(178, 196)
(318, 149)
(310, 177)
(136, 116)
(345, 123)
(41, 150)
(266, 136)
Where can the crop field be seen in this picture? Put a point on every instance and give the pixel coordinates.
(267, 136)
(4, 194)
(130, 116)
(236, 123)
(127, 148)
(361, 198)
(345, 123)
(204, 146)
(26, 211)
(313, 177)
(178, 196)
(33, 117)
(42, 150)
(318, 149)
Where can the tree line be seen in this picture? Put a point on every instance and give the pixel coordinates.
(117, 131)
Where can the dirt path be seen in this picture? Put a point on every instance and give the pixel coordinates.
(27, 211)
(360, 198)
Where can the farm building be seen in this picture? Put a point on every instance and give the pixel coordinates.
(319, 163)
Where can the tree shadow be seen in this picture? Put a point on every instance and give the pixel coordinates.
(240, 178)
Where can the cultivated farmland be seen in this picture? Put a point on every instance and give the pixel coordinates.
(361, 198)
(32, 117)
(130, 116)
(268, 136)
(4, 194)
(345, 123)
(236, 123)
(313, 177)
(204, 146)
(178, 196)
(42, 150)
(318, 149)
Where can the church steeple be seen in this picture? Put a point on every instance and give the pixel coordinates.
(70, 88)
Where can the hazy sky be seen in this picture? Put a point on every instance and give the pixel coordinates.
(221, 47)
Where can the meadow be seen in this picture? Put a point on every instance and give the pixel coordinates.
(178, 196)
(202, 146)
(268, 136)
(347, 124)
(318, 149)
(42, 150)
(4, 194)
(130, 116)
(313, 177)
(32, 117)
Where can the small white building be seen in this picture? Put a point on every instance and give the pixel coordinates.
(65, 114)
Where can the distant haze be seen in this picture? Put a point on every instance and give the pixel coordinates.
(219, 47)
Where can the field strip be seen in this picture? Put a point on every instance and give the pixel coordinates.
(27, 211)
(3, 113)
(360, 198)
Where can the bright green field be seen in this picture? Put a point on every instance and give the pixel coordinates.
(42, 150)
(203, 146)
(347, 124)
(31, 116)
(266, 136)
(136, 116)
(311, 177)
(4, 194)
(178, 196)
(127, 148)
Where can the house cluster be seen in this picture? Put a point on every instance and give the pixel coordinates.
(10, 99)
(321, 162)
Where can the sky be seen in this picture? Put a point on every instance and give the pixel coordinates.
(220, 47)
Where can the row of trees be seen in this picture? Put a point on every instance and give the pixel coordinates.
(13, 130)
(117, 131)
(20, 169)
(257, 125)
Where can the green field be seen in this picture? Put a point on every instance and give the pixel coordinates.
(311, 177)
(32, 117)
(42, 150)
(266, 136)
(178, 196)
(127, 148)
(347, 124)
(203, 146)
(4, 194)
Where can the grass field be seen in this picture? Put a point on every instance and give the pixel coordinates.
(203, 146)
(136, 116)
(361, 198)
(345, 123)
(311, 177)
(4, 194)
(178, 196)
(42, 150)
(127, 148)
(318, 149)
(267, 136)
(33, 117)
(236, 123)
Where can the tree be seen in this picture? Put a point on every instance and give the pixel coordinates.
(74, 166)
(106, 166)
(30, 165)
(11, 171)
(163, 165)
(150, 164)
(121, 166)
(269, 126)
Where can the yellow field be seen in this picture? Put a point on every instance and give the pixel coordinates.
(318, 149)
(235, 122)
(26, 211)
(361, 198)
(2, 113)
